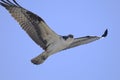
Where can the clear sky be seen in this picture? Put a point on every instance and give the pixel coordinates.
(99, 60)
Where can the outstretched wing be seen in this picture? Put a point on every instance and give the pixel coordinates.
(85, 40)
(35, 26)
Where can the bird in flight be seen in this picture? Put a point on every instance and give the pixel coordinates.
(41, 33)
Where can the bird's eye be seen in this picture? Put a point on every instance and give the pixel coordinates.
(71, 36)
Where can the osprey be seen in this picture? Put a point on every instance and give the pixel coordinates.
(40, 32)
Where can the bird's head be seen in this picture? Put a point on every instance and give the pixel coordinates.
(70, 36)
(70, 39)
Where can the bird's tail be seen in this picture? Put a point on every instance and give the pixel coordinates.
(40, 58)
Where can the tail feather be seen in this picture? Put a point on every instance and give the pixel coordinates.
(39, 59)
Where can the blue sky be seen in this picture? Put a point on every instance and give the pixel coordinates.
(99, 60)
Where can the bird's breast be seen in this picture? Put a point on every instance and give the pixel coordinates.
(58, 46)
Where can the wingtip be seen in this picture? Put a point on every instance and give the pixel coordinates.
(105, 33)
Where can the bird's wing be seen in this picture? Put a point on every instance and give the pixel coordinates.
(85, 40)
(35, 26)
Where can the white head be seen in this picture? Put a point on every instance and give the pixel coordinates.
(69, 39)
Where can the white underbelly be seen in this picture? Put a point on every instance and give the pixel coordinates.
(57, 46)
